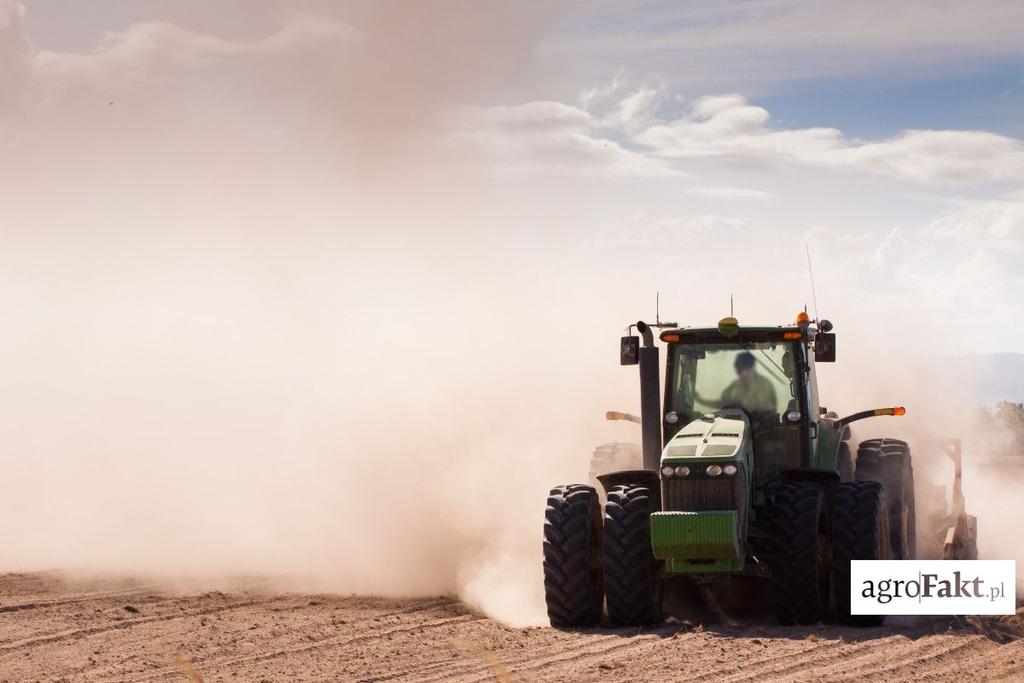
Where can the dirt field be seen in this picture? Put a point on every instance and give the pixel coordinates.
(53, 628)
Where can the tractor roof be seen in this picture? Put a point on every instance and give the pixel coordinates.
(728, 331)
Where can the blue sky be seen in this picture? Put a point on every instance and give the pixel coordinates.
(986, 97)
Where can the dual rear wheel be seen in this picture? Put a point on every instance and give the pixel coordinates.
(585, 561)
(800, 553)
(811, 550)
(631, 580)
(872, 518)
(887, 462)
(573, 576)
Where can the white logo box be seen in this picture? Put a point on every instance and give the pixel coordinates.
(933, 587)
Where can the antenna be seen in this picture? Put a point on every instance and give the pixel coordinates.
(731, 314)
(810, 271)
(657, 314)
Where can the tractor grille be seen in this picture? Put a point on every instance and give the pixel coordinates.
(701, 493)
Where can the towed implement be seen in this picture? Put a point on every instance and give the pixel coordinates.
(951, 533)
(744, 473)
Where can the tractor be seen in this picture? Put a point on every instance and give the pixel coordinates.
(744, 474)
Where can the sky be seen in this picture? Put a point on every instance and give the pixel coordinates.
(260, 260)
(887, 140)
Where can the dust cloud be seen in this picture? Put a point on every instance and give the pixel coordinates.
(261, 317)
(257, 317)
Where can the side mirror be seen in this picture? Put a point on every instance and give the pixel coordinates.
(825, 347)
(629, 351)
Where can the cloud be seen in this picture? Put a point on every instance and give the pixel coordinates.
(636, 111)
(600, 95)
(621, 135)
(550, 138)
(155, 70)
(967, 265)
(141, 45)
(135, 50)
(948, 156)
(369, 81)
(947, 274)
(942, 275)
(727, 126)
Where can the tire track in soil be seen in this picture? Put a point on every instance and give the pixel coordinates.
(885, 671)
(576, 660)
(422, 606)
(867, 663)
(552, 654)
(339, 641)
(14, 647)
(71, 600)
(33, 582)
(792, 660)
(469, 664)
(1012, 652)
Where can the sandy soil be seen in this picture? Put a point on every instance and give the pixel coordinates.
(54, 628)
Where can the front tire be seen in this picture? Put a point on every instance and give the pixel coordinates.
(630, 570)
(800, 557)
(858, 533)
(573, 582)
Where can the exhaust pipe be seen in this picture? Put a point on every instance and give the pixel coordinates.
(650, 399)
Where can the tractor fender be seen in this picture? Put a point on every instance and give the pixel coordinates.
(647, 478)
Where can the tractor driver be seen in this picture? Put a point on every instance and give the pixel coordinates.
(749, 391)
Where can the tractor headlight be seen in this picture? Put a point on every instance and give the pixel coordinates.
(682, 471)
(667, 471)
(793, 416)
(730, 470)
(714, 470)
(672, 417)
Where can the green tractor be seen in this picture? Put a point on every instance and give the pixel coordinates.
(745, 474)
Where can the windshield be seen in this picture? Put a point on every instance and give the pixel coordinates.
(756, 376)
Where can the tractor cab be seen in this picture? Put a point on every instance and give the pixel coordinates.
(765, 372)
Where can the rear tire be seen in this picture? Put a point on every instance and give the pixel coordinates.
(630, 570)
(888, 462)
(573, 579)
(858, 533)
(799, 556)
